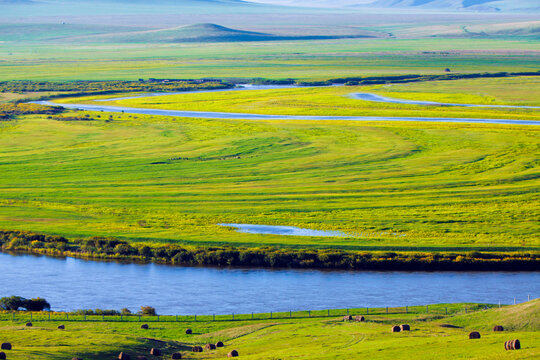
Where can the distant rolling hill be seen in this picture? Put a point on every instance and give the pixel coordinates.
(207, 32)
(470, 5)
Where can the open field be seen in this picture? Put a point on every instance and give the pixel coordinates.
(312, 60)
(432, 335)
(336, 100)
(160, 179)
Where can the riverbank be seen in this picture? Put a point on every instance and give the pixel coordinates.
(99, 248)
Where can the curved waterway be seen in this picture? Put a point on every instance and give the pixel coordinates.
(70, 284)
(246, 116)
(389, 100)
(249, 116)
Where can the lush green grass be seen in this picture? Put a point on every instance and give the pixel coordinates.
(306, 338)
(336, 100)
(395, 184)
(316, 59)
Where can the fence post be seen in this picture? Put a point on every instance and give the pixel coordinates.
(13, 316)
(465, 309)
(251, 316)
(176, 318)
(195, 317)
(427, 309)
(233, 316)
(309, 313)
(328, 312)
(158, 318)
(406, 309)
(347, 311)
(367, 311)
(387, 310)
(290, 314)
(446, 310)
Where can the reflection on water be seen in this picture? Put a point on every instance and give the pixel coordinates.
(283, 230)
(71, 284)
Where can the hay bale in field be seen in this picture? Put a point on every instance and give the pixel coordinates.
(61, 327)
(219, 344)
(233, 353)
(359, 318)
(29, 324)
(155, 352)
(176, 356)
(405, 327)
(123, 356)
(474, 335)
(396, 329)
(188, 331)
(498, 328)
(512, 345)
(197, 349)
(144, 326)
(2, 355)
(208, 347)
(347, 318)
(6, 346)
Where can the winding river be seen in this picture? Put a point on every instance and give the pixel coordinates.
(70, 284)
(249, 116)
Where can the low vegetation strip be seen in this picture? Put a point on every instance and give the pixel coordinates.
(109, 248)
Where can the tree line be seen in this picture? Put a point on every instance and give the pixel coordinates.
(267, 257)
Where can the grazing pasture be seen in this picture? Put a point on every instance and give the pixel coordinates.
(430, 335)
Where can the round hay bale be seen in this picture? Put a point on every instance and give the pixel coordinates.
(405, 327)
(347, 318)
(144, 326)
(155, 352)
(176, 356)
(188, 331)
(2, 355)
(6, 346)
(359, 318)
(29, 324)
(197, 349)
(474, 335)
(123, 356)
(498, 328)
(396, 329)
(219, 344)
(208, 347)
(61, 327)
(233, 353)
(512, 345)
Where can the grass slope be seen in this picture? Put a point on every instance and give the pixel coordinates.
(308, 338)
(423, 186)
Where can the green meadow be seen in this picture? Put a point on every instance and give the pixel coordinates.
(433, 335)
(300, 59)
(423, 186)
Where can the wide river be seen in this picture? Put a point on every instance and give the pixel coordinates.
(70, 284)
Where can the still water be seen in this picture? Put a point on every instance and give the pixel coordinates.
(70, 284)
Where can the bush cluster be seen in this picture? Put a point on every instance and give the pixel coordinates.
(14, 303)
(9, 111)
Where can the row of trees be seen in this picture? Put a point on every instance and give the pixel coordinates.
(14, 303)
(112, 248)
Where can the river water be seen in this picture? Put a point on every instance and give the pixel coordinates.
(70, 284)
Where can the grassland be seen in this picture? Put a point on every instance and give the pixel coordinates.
(298, 338)
(159, 179)
(310, 60)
